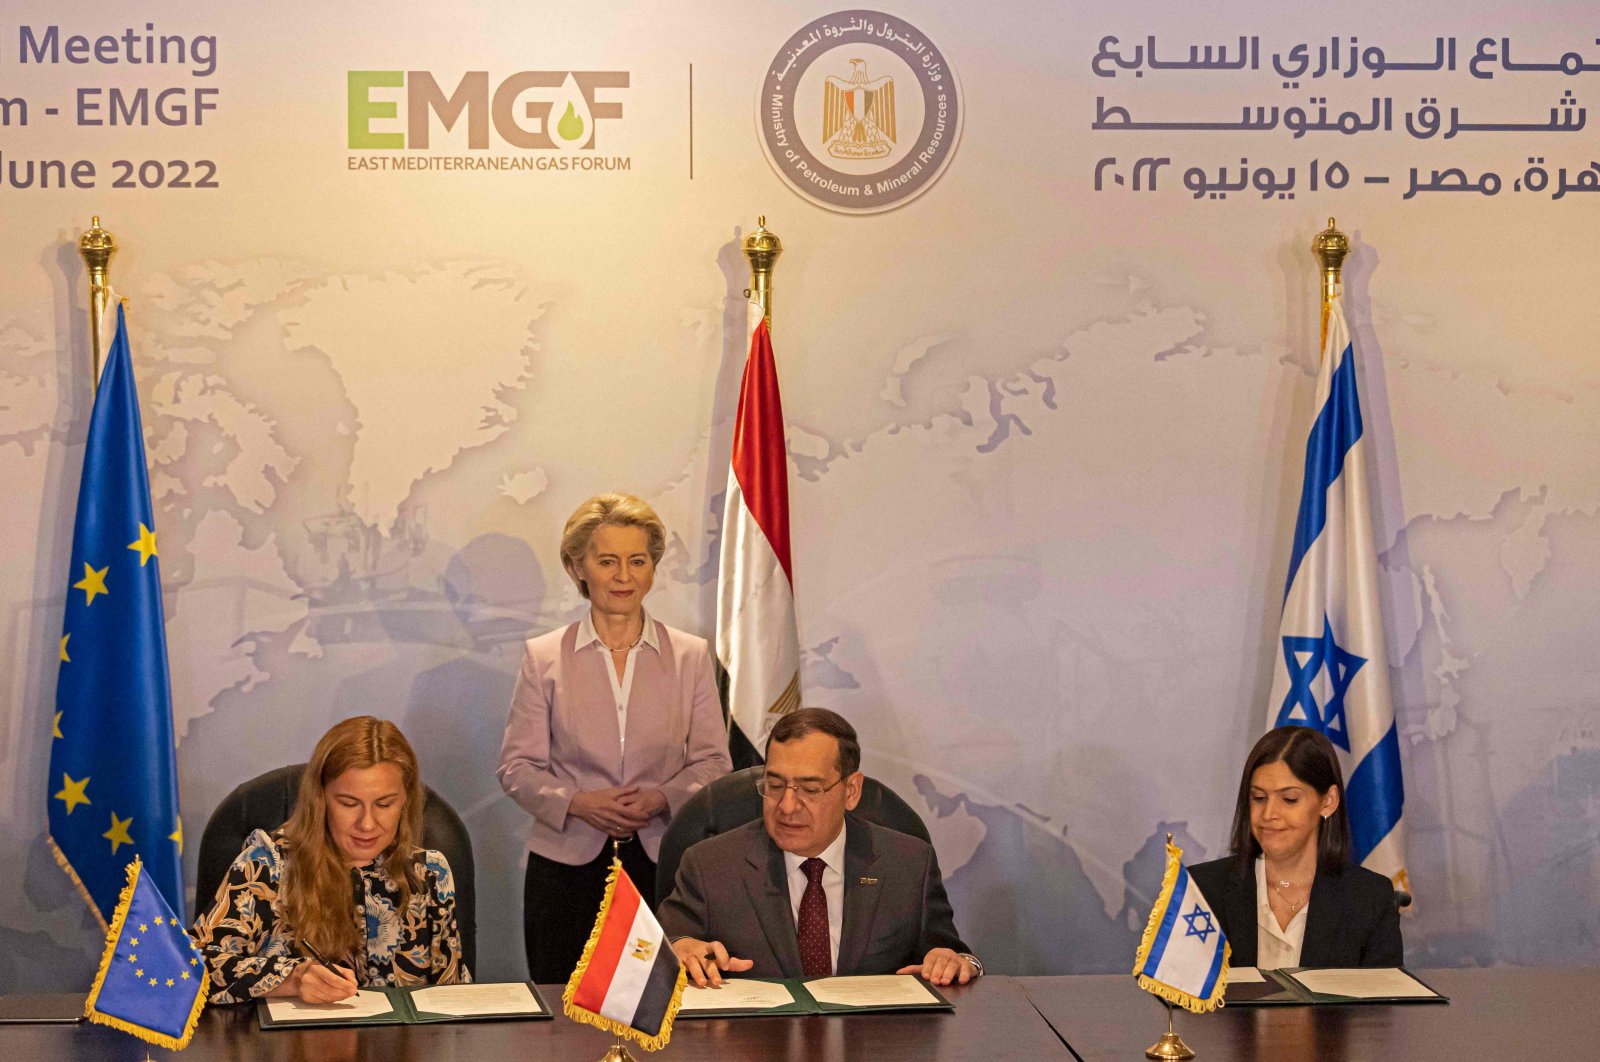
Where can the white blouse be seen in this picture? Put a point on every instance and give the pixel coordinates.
(1276, 947)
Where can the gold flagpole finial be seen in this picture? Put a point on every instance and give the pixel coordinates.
(762, 247)
(96, 246)
(1330, 247)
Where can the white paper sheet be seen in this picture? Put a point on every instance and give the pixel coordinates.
(364, 1004)
(1244, 975)
(465, 1001)
(1364, 984)
(737, 994)
(881, 990)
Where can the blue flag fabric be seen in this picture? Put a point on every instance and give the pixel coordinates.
(112, 789)
(151, 982)
(1332, 669)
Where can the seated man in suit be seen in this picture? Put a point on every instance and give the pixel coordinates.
(808, 891)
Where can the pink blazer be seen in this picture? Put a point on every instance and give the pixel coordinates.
(562, 738)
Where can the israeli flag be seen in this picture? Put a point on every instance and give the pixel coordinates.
(1332, 670)
(1183, 955)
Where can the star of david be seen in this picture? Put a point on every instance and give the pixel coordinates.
(1200, 923)
(1306, 658)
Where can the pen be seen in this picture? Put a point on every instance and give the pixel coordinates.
(317, 955)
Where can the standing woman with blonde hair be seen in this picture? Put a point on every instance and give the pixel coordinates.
(614, 722)
(342, 896)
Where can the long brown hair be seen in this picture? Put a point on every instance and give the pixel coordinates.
(1310, 758)
(316, 883)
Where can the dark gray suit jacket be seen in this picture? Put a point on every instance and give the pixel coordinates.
(731, 888)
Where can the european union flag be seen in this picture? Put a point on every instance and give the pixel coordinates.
(152, 981)
(113, 783)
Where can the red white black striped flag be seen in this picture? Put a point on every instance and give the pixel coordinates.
(628, 981)
(756, 636)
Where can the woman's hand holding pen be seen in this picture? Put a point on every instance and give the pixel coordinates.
(324, 984)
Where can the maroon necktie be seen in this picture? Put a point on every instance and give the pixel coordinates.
(816, 952)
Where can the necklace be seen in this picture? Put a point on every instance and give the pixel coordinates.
(623, 648)
(1283, 888)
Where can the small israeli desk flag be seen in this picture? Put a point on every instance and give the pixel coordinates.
(1183, 956)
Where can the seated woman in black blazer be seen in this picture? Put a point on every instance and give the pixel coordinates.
(1287, 894)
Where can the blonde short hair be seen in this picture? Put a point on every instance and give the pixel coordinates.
(616, 510)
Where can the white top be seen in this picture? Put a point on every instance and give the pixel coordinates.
(832, 887)
(621, 689)
(1275, 947)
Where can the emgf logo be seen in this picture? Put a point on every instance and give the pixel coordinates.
(533, 109)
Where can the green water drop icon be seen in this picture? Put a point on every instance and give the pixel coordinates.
(571, 126)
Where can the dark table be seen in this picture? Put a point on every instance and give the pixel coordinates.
(1498, 1013)
(992, 1018)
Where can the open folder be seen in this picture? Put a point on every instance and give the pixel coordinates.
(1303, 986)
(508, 1001)
(811, 995)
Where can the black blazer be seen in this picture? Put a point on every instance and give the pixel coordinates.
(1352, 920)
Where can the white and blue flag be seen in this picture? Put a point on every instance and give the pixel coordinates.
(1331, 667)
(1183, 955)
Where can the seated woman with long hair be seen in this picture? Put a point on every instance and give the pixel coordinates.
(1287, 894)
(341, 897)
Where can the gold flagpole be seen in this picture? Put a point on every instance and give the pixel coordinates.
(97, 246)
(762, 247)
(1330, 246)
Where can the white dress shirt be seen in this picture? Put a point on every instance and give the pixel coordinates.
(1276, 947)
(832, 887)
(621, 688)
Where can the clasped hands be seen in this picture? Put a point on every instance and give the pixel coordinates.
(705, 962)
(618, 811)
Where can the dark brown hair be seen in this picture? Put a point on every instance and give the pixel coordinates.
(316, 881)
(798, 724)
(1310, 758)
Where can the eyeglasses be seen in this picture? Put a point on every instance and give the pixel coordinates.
(773, 790)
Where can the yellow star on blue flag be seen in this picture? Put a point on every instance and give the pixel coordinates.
(113, 687)
(148, 995)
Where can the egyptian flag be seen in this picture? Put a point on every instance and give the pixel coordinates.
(628, 981)
(757, 641)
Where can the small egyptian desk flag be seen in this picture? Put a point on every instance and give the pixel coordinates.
(151, 982)
(628, 980)
(112, 789)
(1183, 956)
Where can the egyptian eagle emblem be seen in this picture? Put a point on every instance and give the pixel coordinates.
(643, 949)
(858, 115)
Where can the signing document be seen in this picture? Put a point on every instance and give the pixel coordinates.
(475, 1001)
(364, 1004)
(737, 995)
(877, 990)
(1364, 984)
(1245, 975)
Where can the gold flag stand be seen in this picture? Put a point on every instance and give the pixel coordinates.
(96, 246)
(1171, 1045)
(618, 1052)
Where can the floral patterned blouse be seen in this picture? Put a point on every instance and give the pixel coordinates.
(249, 949)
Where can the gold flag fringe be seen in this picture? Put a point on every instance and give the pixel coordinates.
(83, 890)
(1175, 996)
(149, 1036)
(600, 1021)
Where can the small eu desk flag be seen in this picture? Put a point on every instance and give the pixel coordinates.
(1183, 956)
(151, 982)
(112, 789)
(628, 980)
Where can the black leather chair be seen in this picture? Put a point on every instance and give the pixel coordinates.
(264, 803)
(732, 800)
